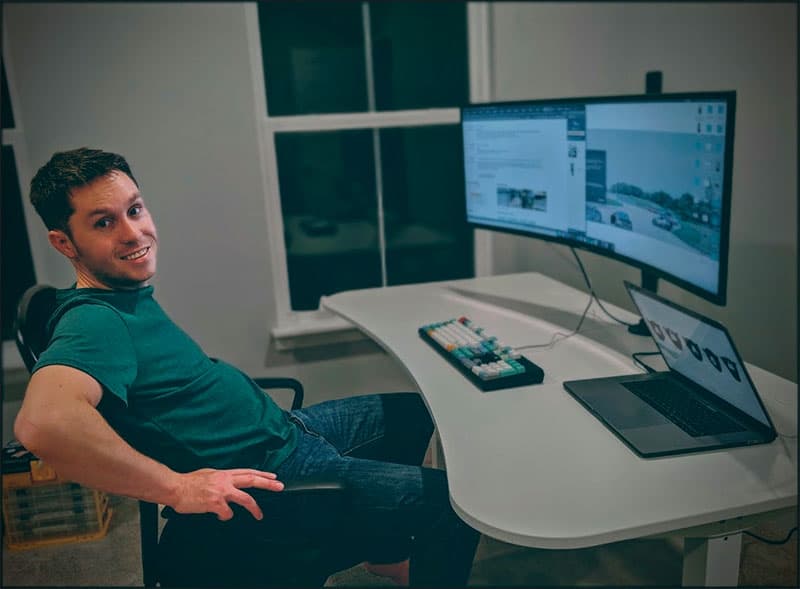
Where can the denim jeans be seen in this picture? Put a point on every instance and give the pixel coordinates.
(396, 509)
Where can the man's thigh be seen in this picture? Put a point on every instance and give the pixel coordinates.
(382, 499)
(395, 427)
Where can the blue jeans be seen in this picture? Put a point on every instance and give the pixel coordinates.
(395, 509)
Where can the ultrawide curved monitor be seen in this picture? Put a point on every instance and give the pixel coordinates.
(644, 179)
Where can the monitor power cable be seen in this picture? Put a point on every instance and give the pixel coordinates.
(773, 542)
(592, 291)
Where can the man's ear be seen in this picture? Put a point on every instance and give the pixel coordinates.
(62, 242)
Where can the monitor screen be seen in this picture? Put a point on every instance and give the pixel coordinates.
(644, 179)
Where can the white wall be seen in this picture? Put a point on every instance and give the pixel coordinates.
(168, 85)
(543, 50)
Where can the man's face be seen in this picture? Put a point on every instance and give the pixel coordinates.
(113, 241)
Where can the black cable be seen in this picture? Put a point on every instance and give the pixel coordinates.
(773, 542)
(636, 355)
(593, 293)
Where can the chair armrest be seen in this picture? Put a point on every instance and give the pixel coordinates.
(268, 382)
(314, 484)
(329, 486)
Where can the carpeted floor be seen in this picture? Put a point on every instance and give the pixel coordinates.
(114, 561)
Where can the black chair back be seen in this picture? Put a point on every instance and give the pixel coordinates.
(34, 309)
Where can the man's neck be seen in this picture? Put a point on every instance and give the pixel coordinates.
(83, 281)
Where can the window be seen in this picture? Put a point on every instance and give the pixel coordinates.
(16, 263)
(363, 156)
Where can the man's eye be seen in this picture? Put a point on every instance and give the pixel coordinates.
(135, 210)
(103, 223)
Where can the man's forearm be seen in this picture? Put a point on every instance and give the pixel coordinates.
(80, 445)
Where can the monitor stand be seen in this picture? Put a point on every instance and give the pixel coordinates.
(649, 282)
(652, 85)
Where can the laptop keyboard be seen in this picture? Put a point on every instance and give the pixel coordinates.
(680, 406)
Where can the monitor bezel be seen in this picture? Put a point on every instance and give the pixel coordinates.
(729, 96)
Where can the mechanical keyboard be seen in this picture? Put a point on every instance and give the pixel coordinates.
(488, 363)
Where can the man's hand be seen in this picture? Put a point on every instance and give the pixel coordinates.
(209, 491)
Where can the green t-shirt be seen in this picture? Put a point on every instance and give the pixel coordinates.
(162, 393)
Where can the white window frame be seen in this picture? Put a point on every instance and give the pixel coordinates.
(290, 323)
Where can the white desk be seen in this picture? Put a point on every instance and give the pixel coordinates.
(532, 467)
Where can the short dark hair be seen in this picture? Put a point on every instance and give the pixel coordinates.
(53, 183)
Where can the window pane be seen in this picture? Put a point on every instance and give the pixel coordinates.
(419, 54)
(16, 267)
(427, 237)
(327, 185)
(313, 57)
(5, 105)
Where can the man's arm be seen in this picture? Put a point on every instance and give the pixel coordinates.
(59, 423)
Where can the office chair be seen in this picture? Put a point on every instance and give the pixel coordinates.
(199, 550)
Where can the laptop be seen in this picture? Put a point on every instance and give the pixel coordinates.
(705, 401)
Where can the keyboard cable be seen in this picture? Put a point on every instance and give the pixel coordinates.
(592, 297)
(593, 293)
(556, 335)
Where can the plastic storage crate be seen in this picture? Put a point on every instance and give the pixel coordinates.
(39, 508)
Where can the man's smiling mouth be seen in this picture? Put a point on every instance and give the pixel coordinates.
(137, 254)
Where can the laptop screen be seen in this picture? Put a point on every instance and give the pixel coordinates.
(699, 350)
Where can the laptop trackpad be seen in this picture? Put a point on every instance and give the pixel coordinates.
(624, 410)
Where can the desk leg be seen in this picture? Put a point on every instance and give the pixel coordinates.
(436, 451)
(712, 562)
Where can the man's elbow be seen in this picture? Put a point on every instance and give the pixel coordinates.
(24, 431)
(31, 435)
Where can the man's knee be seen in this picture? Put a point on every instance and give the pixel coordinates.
(407, 411)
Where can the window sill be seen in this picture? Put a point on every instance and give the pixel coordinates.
(315, 328)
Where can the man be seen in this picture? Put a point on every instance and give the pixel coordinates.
(122, 400)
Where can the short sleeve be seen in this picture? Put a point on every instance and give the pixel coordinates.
(94, 339)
